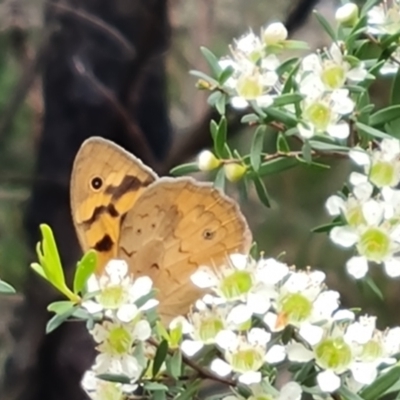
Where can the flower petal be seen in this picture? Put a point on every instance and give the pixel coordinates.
(220, 367)
(357, 266)
(328, 381)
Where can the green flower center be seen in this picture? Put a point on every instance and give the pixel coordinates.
(112, 297)
(119, 340)
(383, 174)
(334, 354)
(110, 391)
(236, 284)
(296, 307)
(249, 86)
(333, 76)
(374, 244)
(209, 328)
(248, 359)
(319, 114)
(371, 351)
(355, 216)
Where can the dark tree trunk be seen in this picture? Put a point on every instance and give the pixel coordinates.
(104, 75)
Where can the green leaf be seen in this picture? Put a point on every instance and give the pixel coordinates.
(219, 181)
(381, 384)
(286, 117)
(60, 307)
(214, 97)
(288, 65)
(277, 165)
(213, 129)
(212, 62)
(114, 378)
(174, 364)
(306, 152)
(395, 91)
(326, 227)
(220, 104)
(369, 282)
(57, 320)
(261, 190)
(159, 358)
(324, 146)
(296, 45)
(367, 130)
(190, 391)
(257, 147)
(347, 394)
(159, 395)
(225, 74)
(325, 25)
(155, 386)
(184, 169)
(282, 144)
(220, 138)
(6, 288)
(86, 267)
(49, 259)
(288, 98)
(385, 115)
(202, 75)
(250, 119)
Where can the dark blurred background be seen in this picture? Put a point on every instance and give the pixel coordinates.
(119, 69)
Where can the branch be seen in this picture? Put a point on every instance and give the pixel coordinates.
(98, 24)
(138, 139)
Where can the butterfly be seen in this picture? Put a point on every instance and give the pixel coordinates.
(164, 228)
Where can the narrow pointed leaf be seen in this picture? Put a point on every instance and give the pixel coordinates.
(257, 147)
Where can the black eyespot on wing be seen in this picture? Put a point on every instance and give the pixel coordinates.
(208, 234)
(105, 244)
(96, 183)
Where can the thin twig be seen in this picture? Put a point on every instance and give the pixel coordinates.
(98, 24)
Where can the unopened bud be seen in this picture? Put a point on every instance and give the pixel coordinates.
(234, 172)
(275, 33)
(206, 161)
(347, 15)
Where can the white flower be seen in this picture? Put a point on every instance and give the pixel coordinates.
(328, 71)
(383, 19)
(274, 33)
(289, 391)
(302, 300)
(115, 342)
(246, 354)
(347, 14)
(371, 347)
(332, 353)
(324, 114)
(381, 165)
(98, 389)
(203, 325)
(236, 281)
(117, 292)
(207, 161)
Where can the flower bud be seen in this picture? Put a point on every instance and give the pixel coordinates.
(275, 33)
(206, 161)
(234, 172)
(347, 15)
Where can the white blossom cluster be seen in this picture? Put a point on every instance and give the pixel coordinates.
(371, 212)
(321, 80)
(254, 64)
(251, 303)
(123, 327)
(384, 19)
(248, 307)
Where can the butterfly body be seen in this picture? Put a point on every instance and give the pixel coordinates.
(164, 228)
